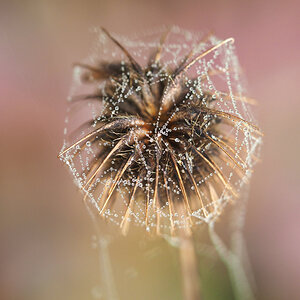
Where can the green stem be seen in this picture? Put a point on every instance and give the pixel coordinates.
(240, 283)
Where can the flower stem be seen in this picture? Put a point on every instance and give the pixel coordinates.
(188, 261)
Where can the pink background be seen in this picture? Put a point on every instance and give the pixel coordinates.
(45, 232)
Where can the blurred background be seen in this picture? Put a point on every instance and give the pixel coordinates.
(46, 237)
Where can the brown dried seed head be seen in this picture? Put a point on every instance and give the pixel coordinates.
(165, 148)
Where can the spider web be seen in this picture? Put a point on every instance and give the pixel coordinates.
(217, 74)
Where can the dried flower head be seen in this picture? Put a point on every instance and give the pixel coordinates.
(164, 137)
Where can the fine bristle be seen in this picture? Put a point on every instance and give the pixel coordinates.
(160, 150)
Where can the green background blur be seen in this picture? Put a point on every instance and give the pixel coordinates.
(46, 247)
